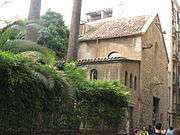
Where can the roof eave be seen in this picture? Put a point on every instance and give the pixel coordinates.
(126, 36)
(148, 23)
(105, 60)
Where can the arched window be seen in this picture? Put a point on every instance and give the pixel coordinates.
(114, 55)
(93, 74)
(131, 81)
(135, 83)
(125, 78)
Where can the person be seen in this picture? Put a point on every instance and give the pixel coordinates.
(176, 131)
(150, 130)
(170, 131)
(136, 132)
(158, 129)
(163, 131)
(144, 131)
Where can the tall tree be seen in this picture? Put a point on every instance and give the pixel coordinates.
(53, 33)
(34, 15)
(35, 9)
(74, 31)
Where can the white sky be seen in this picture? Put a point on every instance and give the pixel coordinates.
(20, 8)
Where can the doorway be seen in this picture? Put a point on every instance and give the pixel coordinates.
(155, 110)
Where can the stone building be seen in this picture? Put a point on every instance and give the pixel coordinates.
(174, 66)
(131, 50)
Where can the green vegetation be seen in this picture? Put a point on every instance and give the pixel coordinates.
(37, 94)
(54, 33)
(11, 31)
(31, 50)
(99, 103)
(27, 89)
(37, 91)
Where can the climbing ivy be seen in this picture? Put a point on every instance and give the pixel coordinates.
(102, 103)
(98, 103)
(30, 94)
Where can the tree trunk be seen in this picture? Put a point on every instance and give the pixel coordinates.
(74, 31)
(35, 9)
(34, 15)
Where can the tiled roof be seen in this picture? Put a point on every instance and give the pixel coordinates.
(98, 60)
(117, 28)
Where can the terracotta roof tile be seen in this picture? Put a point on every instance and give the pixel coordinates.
(96, 60)
(116, 28)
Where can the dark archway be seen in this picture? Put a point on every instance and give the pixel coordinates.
(114, 54)
(93, 74)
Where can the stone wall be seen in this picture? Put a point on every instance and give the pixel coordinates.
(154, 76)
(116, 71)
(151, 72)
(127, 47)
(60, 132)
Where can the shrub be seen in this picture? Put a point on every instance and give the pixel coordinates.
(31, 94)
(102, 103)
(42, 54)
(99, 103)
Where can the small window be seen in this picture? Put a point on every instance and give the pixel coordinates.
(93, 74)
(131, 81)
(125, 78)
(114, 55)
(135, 83)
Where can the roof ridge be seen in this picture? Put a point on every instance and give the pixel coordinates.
(130, 17)
(124, 18)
